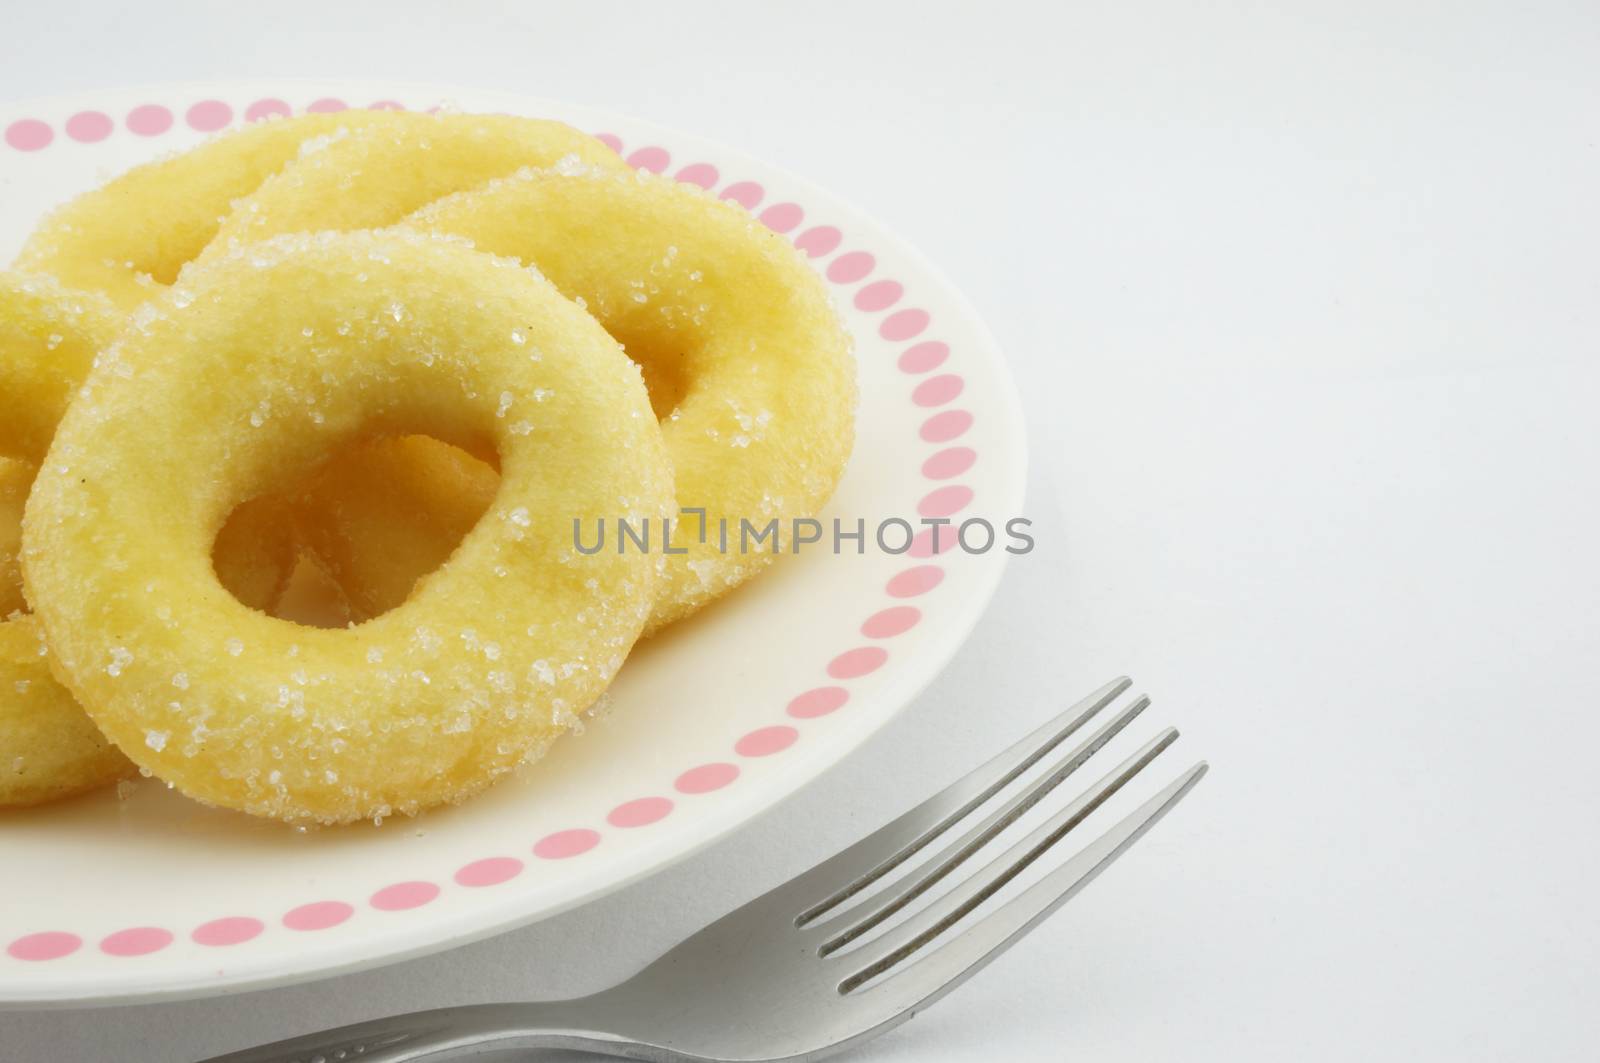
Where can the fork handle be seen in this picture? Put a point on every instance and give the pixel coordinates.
(443, 1034)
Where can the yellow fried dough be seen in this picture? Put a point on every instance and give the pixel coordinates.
(405, 502)
(754, 377)
(256, 550)
(350, 170)
(48, 337)
(15, 479)
(131, 236)
(379, 174)
(48, 748)
(313, 597)
(266, 362)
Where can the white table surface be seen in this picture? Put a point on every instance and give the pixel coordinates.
(1304, 304)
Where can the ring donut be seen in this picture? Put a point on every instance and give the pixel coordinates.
(267, 361)
(749, 370)
(372, 176)
(129, 238)
(48, 337)
(381, 172)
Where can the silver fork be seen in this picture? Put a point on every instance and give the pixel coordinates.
(776, 979)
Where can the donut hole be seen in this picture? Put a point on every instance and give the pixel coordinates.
(660, 361)
(15, 479)
(350, 539)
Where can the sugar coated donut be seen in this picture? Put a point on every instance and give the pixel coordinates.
(48, 748)
(131, 236)
(48, 337)
(266, 361)
(381, 172)
(349, 170)
(749, 369)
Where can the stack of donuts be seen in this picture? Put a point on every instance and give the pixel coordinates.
(301, 423)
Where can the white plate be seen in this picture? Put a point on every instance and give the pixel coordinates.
(149, 896)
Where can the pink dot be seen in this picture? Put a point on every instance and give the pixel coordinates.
(149, 120)
(927, 355)
(945, 501)
(818, 241)
(230, 930)
(943, 427)
(318, 915)
(851, 267)
(90, 127)
(639, 813)
(566, 843)
(818, 701)
(268, 108)
(386, 105)
(915, 581)
(926, 544)
(403, 895)
(903, 324)
(745, 193)
(136, 941)
(948, 463)
(852, 664)
(938, 390)
(706, 778)
(326, 105)
(782, 217)
(29, 134)
(765, 741)
(652, 158)
(610, 140)
(879, 295)
(208, 116)
(896, 620)
(490, 871)
(701, 174)
(49, 945)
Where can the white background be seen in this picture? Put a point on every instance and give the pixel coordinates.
(1304, 304)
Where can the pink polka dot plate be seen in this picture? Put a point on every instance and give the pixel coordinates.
(144, 895)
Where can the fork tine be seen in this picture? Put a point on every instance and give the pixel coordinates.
(859, 919)
(876, 855)
(931, 976)
(938, 917)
